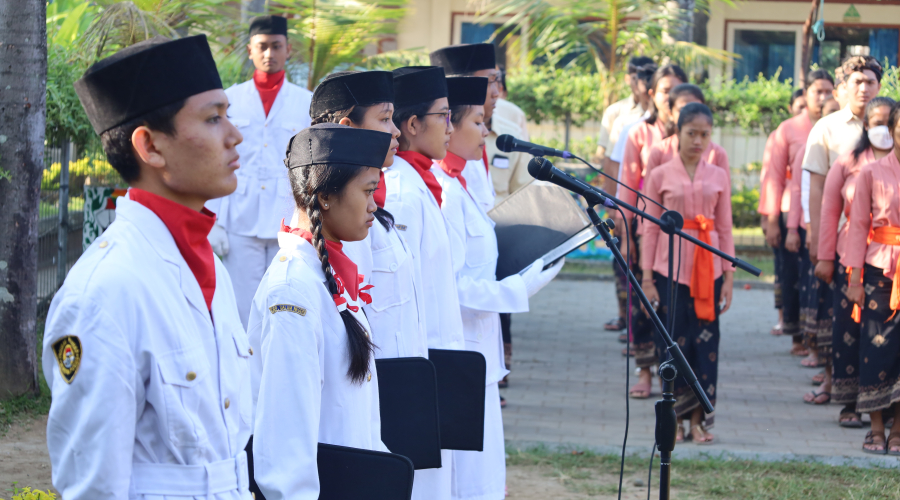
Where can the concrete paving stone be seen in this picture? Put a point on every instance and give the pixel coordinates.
(568, 381)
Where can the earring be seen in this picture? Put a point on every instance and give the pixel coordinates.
(326, 205)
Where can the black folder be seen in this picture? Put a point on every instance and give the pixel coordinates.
(533, 221)
(407, 393)
(351, 473)
(461, 383)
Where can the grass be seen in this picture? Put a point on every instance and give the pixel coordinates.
(714, 478)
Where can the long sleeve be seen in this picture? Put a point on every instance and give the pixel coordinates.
(286, 433)
(775, 165)
(506, 296)
(723, 223)
(718, 156)
(631, 170)
(795, 212)
(90, 429)
(650, 238)
(860, 220)
(832, 206)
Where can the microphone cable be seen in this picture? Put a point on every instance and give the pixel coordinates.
(627, 345)
(641, 197)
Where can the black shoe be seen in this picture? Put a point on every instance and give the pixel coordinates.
(502, 403)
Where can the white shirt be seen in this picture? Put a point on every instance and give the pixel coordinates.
(301, 389)
(163, 384)
(618, 153)
(480, 183)
(263, 195)
(481, 296)
(418, 217)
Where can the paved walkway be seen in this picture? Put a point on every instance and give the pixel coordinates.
(568, 383)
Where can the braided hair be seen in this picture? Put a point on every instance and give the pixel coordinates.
(307, 183)
(356, 115)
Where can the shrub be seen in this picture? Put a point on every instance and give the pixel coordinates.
(546, 93)
(29, 494)
(743, 207)
(755, 106)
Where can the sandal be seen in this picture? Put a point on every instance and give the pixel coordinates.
(777, 329)
(502, 402)
(615, 325)
(806, 363)
(679, 434)
(870, 440)
(623, 338)
(799, 350)
(819, 378)
(893, 441)
(815, 398)
(706, 439)
(850, 420)
(643, 388)
(627, 352)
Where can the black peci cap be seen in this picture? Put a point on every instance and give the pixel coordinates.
(466, 90)
(268, 25)
(336, 144)
(418, 84)
(347, 89)
(144, 77)
(467, 58)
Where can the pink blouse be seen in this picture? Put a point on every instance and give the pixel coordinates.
(786, 154)
(765, 203)
(840, 185)
(637, 152)
(877, 196)
(665, 150)
(708, 194)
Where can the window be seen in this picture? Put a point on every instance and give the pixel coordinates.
(841, 41)
(764, 52)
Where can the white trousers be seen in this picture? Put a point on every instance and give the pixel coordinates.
(434, 484)
(482, 475)
(246, 262)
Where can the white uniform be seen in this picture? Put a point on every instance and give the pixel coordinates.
(480, 184)
(159, 405)
(480, 475)
(252, 214)
(301, 390)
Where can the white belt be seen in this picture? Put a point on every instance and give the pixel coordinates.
(191, 480)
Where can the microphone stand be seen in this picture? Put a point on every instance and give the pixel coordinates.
(671, 223)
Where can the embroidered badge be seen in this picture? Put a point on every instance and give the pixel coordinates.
(401, 227)
(68, 356)
(287, 308)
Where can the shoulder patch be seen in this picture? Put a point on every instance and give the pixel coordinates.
(287, 308)
(68, 355)
(401, 227)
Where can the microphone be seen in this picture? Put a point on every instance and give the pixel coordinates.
(509, 144)
(541, 169)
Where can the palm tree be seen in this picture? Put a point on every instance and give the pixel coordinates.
(24, 63)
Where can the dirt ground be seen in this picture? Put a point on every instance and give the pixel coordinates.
(24, 459)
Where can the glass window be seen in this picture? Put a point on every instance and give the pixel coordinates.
(764, 52)
(477, 33)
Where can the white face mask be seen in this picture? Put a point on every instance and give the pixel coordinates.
(880, 137)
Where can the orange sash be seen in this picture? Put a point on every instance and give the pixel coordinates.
(703, 285)
(888, 235)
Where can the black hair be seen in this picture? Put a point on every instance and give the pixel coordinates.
(796, 94)
(645, 74)
(405, 112)
(819, 74)
(864, 143)
(659, 74)
(636, 63)
(853, 64)
(894, 118)
(457, 113)
(307, 183)
(117, 140)
(685, 89)
(356, 115)
(691, 111)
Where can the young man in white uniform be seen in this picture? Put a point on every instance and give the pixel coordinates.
(143, 349)
(268, 110)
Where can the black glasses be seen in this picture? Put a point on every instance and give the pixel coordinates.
(445, 114)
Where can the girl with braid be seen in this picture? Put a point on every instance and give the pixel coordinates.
(314, 378)
(365, 100)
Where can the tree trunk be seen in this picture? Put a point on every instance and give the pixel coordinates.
(23, 74)
(806, 52)
(685, 30)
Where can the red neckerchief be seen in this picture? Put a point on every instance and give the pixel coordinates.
(189, 228)
(268, 85)
(453, 166)
(487, 167)
(341, 267)
(423, 166)
(381, 190)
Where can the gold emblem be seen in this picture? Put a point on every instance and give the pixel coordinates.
(287, 308)
(401, 227)
(68, 356)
